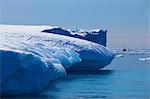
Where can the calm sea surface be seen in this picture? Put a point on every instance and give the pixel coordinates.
(127, 77)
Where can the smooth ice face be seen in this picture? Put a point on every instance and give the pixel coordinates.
(93, 59)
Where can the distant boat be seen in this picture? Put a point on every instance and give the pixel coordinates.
(124, 50)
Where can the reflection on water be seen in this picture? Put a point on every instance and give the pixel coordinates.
(81, 85)
(125, 78)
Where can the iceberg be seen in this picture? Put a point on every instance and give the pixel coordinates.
(144, 59)
(96, 35)
(31, 58)
(98, 54)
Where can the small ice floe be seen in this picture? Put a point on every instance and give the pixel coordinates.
(120, 55)
(144, 59)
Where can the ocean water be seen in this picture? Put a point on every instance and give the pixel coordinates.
(127, 77)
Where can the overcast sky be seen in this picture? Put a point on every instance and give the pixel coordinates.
(126, 20)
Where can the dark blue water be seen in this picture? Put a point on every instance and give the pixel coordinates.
(125, 78)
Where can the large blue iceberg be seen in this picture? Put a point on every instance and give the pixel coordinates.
(31, 58)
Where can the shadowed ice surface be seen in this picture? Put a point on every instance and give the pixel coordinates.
(125, 78)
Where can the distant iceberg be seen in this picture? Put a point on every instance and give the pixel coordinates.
(31, 58)
(96, 35)
(144, 59)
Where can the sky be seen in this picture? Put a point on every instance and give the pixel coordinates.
(127, 21)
